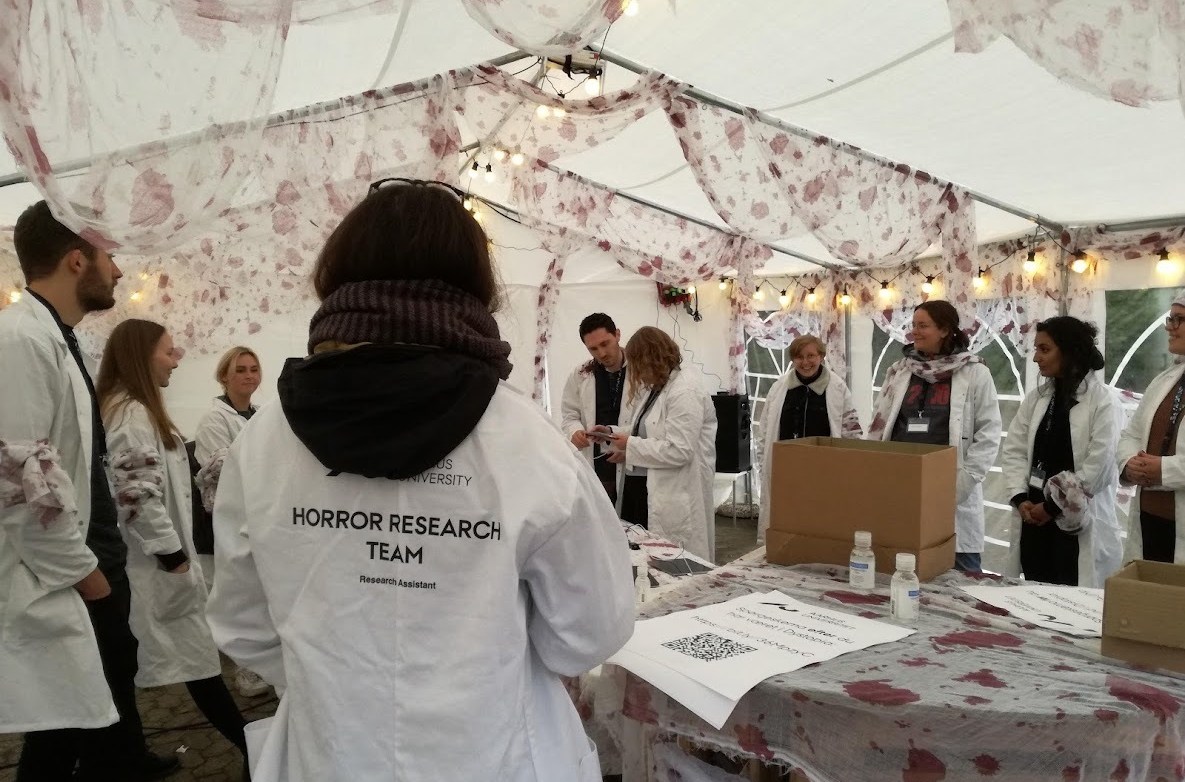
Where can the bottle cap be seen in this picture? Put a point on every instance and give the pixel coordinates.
(863, 539)
(906, 562)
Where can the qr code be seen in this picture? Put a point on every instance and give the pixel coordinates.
(708, 647)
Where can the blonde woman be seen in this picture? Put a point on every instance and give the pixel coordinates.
(807, 401)
(666, 446)
(239, 375)
(152, 492)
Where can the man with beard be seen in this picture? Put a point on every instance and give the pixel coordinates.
(69, 682)
(592, 394)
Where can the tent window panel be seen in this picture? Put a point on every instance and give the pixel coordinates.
(1137, 345)
(885, 353)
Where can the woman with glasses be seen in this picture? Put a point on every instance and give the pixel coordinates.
(807, 401)
(942, 394)
(407, 546)
(1059, 463)
(1151, 457)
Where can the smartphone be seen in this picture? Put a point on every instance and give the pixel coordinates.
(602, 437)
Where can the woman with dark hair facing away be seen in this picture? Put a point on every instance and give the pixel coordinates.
(666, 445)
(406, 546)
(1151, 457)
(807, 401)
(153, 493)
(1059, 463)
(942, 394)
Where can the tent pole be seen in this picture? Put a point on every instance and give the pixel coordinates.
(1063, 304)
(1169, 221)
(736, 108)
(277, 118)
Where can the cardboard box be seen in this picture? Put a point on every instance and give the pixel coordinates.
(1143, 606)
(828, 488)
(787, 548)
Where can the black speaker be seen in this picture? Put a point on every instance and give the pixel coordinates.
(733, 432)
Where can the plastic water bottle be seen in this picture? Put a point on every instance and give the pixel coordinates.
(862, 564)
(905, 591)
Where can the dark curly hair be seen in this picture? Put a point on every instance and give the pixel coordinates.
(1075, 340)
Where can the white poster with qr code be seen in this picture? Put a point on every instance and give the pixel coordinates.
(730, 647)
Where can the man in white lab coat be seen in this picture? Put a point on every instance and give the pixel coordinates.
(592, 394)
(65, 666)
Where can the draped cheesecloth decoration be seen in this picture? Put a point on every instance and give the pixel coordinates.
(505, 112)
(547, 27)
(646, 241)
(1129, 52)
(771, 184)
(312, 168)
(127, 143)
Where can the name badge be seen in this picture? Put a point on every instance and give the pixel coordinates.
(918, 425)
(1037, 478)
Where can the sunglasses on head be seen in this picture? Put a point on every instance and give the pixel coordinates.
(397, 181)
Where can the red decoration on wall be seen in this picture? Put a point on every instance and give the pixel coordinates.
(669, 296)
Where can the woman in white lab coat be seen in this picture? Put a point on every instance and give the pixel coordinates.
(1151, 456)
(406, 545)
(666, 446)
(238, 373)
(940, 393)
(807, 401)
(152, 491)
(1059, 464)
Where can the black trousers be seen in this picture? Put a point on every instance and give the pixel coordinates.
(1160, 537)
(1048, 555)
(634, 499)
(108, 754)
(215, 703)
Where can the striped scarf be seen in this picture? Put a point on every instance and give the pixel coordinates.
(411, 312)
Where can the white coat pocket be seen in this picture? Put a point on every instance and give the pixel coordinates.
(175, 595)
(33, 614)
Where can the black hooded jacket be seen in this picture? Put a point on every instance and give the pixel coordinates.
(385, 411)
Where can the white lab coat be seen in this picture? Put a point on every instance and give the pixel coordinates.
(1172, 468)
(1094, 432)
(218, 429)
(839, 403)
(679, 454)
(578, 405)
(459, 681)
(975, 435)
(168, 609)
(49, 661)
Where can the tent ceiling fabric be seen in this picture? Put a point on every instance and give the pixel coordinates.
(994, 122)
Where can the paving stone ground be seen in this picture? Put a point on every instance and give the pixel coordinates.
(173, 724)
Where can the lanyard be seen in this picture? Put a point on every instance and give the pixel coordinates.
(922, 396)
(654, 392)
(1174, 417)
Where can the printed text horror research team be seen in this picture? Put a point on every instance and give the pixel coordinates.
(409, 524)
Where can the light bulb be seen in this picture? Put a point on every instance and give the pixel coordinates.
(558, 112)
(783, 299)
(723, 284)
(630, 7)
(542, 112)
(518, 158)
(1166, 265)
(490, 172)
(759, 294)
(979, 280)
(14, 297)
(473, 170)
(885, 292)
(845, 299)
(592, 85)
(928, 285)
(1080, 263)
(499, 155)
(811, 296)
(691, 289)
(136, 296)
(1030, 264)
